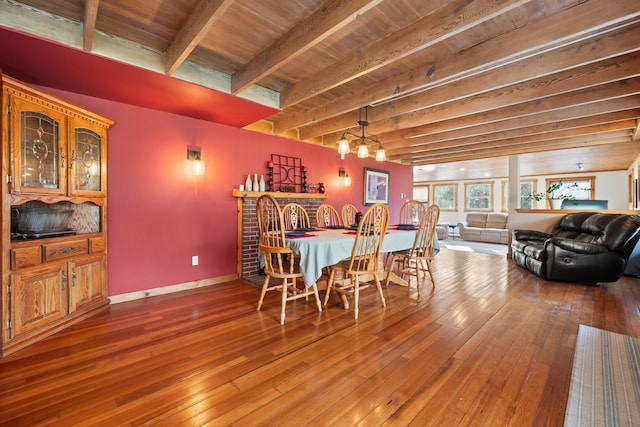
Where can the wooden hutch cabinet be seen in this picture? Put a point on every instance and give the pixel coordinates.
(53, 214)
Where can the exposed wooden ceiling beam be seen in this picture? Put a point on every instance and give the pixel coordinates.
(445, 22)
(477, 104)
(476, 93)
(536, 147)
(329, 18)
(449, 139)
(570, 26)
(588, 99)
(506, 119)
(518, 81)
(89, 23)
(499, 141)
(452, 129)
(205, 14)
(636, 132)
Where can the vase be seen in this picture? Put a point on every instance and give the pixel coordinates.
(248, 186)
(555, 203)
(320, 188)
(262, 183)
(256, 184)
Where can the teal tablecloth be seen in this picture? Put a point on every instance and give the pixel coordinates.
(328, 247)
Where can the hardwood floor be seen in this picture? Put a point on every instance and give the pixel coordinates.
(491, 345)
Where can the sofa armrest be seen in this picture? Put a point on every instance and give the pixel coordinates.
(462, 225)
(577, 246)
(530, 235)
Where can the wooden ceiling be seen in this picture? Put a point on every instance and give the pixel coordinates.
(446, 82)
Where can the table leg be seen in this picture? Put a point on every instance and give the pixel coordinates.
(393, 277)
(339, 277)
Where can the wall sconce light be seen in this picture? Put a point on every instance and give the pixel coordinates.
(579, 164)
(343, 174)
(193, 154)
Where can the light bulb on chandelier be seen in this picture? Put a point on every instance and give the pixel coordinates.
(363, 150)
(343, 147)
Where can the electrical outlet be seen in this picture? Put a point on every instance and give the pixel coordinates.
(194, 260)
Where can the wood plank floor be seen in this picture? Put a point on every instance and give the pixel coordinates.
(491, 345)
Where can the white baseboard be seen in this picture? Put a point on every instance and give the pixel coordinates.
(115, 299)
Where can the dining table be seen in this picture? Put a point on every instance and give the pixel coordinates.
(324, 247)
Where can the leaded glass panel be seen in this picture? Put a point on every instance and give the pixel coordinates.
(87, 160)
(39, 151)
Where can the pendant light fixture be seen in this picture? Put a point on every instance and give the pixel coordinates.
(363, 148)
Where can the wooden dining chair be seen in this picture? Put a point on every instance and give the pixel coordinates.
(279, 262)
(348, 214)
(411, 212)
(351, 275)
(295, 217)
(327, 216)
(417, 260)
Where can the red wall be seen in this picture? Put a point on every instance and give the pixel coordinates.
(159, 215)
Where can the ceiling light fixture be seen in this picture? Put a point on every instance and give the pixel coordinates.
(579, 164)
(363, 149)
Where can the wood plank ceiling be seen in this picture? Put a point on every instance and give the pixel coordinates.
(446, 82)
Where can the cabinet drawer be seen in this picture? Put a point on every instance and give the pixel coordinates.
(26, 257)
(54, 251)
(97, 245)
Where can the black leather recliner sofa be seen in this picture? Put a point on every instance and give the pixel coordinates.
(584, 247)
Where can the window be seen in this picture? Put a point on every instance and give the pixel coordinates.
(527, 187)
(478, 196)
(421, 193)
(445, 196)
(586, 186)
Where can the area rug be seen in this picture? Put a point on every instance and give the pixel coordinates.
(605, 380)
(477, 247)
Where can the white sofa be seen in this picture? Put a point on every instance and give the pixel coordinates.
(485, 227)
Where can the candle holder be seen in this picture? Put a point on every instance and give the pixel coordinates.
(304, 180)
(270, 175)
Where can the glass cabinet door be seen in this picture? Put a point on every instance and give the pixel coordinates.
(87, 156)
(40, 151)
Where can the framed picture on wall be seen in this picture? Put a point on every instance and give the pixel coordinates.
(376, 186)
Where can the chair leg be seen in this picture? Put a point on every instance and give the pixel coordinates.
(295, 289)
(315, 293)
(265, 285)
(418, 270)
(284, 300)
(384, 303)
(329, 286)
(356, 296)
(430, 273)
